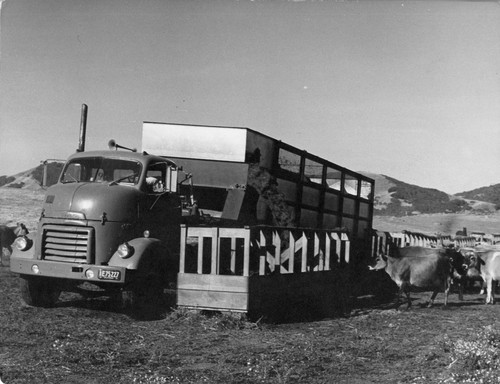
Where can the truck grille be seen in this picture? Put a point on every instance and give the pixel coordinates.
(71, 244)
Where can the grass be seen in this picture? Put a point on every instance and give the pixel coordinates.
(85, 341)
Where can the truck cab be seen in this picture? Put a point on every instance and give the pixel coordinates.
(112, 220)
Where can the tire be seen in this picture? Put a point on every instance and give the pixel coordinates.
(39, 292)
(144, 298)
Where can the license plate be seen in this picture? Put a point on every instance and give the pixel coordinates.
(106, 274)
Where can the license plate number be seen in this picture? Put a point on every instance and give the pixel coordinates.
(106, 274)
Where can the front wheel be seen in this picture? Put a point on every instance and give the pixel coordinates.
(39, 292)
(144, 298)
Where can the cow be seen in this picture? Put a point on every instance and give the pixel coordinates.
(7, 236)
(485, 264)
(425, 268)
(471, 278)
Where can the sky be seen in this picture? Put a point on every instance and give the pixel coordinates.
(408, 89)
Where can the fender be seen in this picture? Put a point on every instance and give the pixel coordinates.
(29, 253)
(142, 249)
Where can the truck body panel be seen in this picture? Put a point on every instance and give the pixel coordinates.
(306, 190)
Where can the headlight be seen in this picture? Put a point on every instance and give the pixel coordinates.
(125, 250)
(22, 243)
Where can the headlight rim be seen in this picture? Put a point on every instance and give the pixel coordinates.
(23, 243)
(125, 250)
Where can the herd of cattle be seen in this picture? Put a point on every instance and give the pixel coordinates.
(436, 269)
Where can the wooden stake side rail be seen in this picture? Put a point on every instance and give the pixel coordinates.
(261, 250)
(263, 269)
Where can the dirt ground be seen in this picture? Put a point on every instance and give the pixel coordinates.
(85, 341)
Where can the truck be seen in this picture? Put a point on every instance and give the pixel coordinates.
(115, 222)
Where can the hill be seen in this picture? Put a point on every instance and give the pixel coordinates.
(397, 198)
(490, 194)
(33, 178)
(392, 197)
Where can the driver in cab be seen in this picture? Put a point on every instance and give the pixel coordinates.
(154, 185)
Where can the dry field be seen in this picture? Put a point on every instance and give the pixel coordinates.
(85, 341)
(20, 205)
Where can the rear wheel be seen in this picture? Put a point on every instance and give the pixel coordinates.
(39, 292)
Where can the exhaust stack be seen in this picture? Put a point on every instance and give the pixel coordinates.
(83, 129)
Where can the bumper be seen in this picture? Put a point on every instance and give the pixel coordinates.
(82, 272)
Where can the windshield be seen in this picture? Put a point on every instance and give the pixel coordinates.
(101, 169)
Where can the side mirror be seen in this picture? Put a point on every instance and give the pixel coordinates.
(171, 179)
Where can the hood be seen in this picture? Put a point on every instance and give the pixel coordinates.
(94, 200)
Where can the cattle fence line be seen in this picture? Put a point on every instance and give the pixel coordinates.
(382, 242)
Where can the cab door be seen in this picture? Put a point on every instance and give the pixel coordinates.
(162, 205)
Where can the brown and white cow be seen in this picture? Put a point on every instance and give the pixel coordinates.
(469, 280)
(486, 264)
(424, 268)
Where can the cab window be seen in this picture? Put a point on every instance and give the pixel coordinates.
(160, 178)
(101, 169)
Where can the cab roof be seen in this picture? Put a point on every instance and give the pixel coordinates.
(141, 157)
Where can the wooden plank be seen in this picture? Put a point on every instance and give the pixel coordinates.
(214, 254)
(182, 256)
(199, 232)
(347, 248)
(374, 246)
(232, 232)
(219, 292)
(269, 256)
(229, 301)
(200, 255)
(303, 266)
(246, 253)
(328, 243)
(233, 255)
(262, 253)
(291, 250)
(229, 283)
